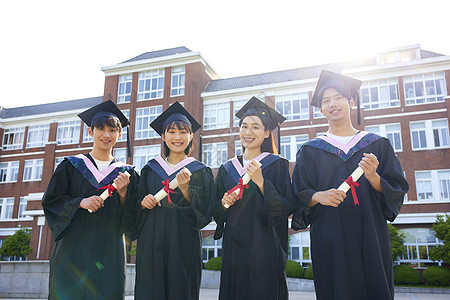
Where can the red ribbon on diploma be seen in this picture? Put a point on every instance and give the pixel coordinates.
(352, 185)
(167, 189)
(108, 187)
(240, 186)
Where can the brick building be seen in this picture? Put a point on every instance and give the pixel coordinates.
(404, 97)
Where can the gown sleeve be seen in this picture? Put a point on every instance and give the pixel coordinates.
(130, 209)
(393, 182)
(304, 181)
(59, 206)
(278, 200)
(219, 213)
(197, 213)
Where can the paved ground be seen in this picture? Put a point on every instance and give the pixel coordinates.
(212, 294)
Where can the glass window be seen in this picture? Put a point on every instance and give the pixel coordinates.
(440, 133)
(390, 131)
(37, 135)
(294, 106)
(299, 248)
(33, 170)
(418, 135)
(285, 147)
(237, 105)
(444, 184)
(211, 248)
(58, 160)
(423, 185)
(120, 154)
(151, 85)
(6, 208)
(424, 88)
(68, 132)
(300, 140)
(418, 244)
(380, 94)
(9, 171)
(214, 155)
(216, 115)
(124, 92)
(178, 75)
(22, 208)
(143, 154)
(86, 137)
(316, 113)
(126, 112)
(144, 116)
(237, 148)
(13, 138)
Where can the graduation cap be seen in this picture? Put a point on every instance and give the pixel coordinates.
(329, 79)
(106, 109)
(255, 107)
(175, 112)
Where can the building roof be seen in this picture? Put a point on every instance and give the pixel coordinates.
(159, 53)
(283, 76)
(6, 113)
(428, 54)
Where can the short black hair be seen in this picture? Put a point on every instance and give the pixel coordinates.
(339, 86)
(110, 121)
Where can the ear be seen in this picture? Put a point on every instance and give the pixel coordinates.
(266, 134)
(191, 137)
(163, 137)
(90, 131)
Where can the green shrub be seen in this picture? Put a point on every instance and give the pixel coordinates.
(437, 276)
(309, 273)
(214, 263)
(405, 274)
(294, 269)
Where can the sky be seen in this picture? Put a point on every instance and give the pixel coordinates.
(54, 50)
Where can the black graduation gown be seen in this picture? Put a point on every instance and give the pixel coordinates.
(169, 246)
(255, 231)
(88, 258)
(350, 244)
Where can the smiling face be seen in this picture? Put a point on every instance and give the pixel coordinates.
(104, 137)
(177, 138)
(335, 106)
(252, 133)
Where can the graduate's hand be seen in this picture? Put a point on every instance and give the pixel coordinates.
(229, 199)
(331, 197)
(183, 180)
(92, 203)
(369, 163)
(149, 202)
(122, 182)
(255, 173)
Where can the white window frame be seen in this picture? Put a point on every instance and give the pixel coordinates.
(215, 154)
(6, 208)
(13, 138)
(177, 85)
(237, 105)
(428, 128)
(434, 180)
(120, 154)
(144, 116)
(123, 137)
(442, 132)
(385, 131)
(284, 104)
(22, 208)
(444, 184)
(147, 80)
(58, 160)
(427, 184)
(69, 128)
(37, 135)
(124, 88)
(216, 115)
(32, 170)
(237, 148)
(419, 81)
(9, 171)
(382, 88)
(317, 114)
(142, 154)
(293, 143)
(86, 137)
(413, 247)
(209, 244)
(300, 241)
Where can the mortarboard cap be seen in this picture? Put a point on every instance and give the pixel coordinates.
(104, 109)
(175, 112)
(329, 79)
(255, 107)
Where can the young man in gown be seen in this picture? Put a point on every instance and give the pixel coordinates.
(350, 243)
(88, 258)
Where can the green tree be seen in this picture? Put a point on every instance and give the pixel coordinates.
(17, 244)
(397, 240)
(442, 230)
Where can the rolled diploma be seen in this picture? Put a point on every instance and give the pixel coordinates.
(105, 193)
(173, 185)
(245, 180)
(355, 176)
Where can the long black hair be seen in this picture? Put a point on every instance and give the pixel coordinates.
(180, 126)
